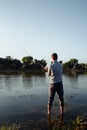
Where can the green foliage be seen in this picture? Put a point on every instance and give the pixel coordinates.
(27, 59)
(86, 66)
(73, 66)
(74, 125)
(73, 61)
(53, 124)
(70, 64)
(9, 63)
(9, 58)
(77, 121)
(42, 62)
(69, 67)
(11, 127)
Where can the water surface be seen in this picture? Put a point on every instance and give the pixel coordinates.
(28, 95)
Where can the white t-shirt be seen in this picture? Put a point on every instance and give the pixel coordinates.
(55, 72)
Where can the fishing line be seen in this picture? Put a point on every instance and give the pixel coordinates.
(36, 61)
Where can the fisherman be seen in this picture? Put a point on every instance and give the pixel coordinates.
(56, 85)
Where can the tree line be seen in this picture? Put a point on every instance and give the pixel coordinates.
(29, 63)
(74, 66)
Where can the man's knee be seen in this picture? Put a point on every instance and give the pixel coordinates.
(50, 101)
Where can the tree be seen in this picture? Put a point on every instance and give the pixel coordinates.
(16, 64)
(9, 58)
(73, 61)
(86, 66)
(27, 60)
(43, 62)
(61, 62)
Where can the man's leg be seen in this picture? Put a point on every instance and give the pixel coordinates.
(51, 98)
(61, 102)
(61, 111)
(61, 99)
(49, 111)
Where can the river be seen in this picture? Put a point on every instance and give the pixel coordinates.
(25, 97)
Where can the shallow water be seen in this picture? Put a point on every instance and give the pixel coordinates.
(25, 97)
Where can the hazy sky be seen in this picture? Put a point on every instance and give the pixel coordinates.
(42, 27)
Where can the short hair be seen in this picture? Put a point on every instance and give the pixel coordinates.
(54, 56)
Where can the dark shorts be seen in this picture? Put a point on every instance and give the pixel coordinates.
(53, 88)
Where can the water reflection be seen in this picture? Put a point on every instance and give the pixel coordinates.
(71, 81)
(27, 82)
(22, 94)
(8, 81)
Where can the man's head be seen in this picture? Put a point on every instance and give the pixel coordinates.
(54, 56)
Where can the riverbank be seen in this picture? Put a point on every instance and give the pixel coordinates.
(39, 121)
(21, 71)
(37, 71)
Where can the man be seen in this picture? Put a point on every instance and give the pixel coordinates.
(55, 74)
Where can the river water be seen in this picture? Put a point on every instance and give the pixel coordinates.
(27, 95)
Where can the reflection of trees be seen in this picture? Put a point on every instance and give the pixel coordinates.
(6, 82)
(18, 82)
(74, 82)
(9, 81)
(33, 81)
(2, 83)
(27, 82)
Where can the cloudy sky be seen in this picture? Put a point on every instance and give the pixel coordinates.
(41, 27)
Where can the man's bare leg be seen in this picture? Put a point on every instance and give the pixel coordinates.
(49, 111)
(62, 113)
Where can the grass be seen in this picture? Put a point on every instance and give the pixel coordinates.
(10, 127)
(77, 124)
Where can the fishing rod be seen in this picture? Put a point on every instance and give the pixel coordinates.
(36, 61)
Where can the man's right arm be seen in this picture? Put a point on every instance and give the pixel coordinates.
(46, 69)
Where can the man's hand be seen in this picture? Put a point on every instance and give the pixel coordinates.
(46, 69)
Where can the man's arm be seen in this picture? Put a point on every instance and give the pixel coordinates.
(46, 69)
(49, 70)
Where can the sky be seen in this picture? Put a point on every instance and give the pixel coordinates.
(39, 28)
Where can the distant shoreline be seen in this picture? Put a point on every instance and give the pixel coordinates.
(21, 71)
(36, 71)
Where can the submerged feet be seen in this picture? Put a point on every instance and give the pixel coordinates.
(61, 119)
